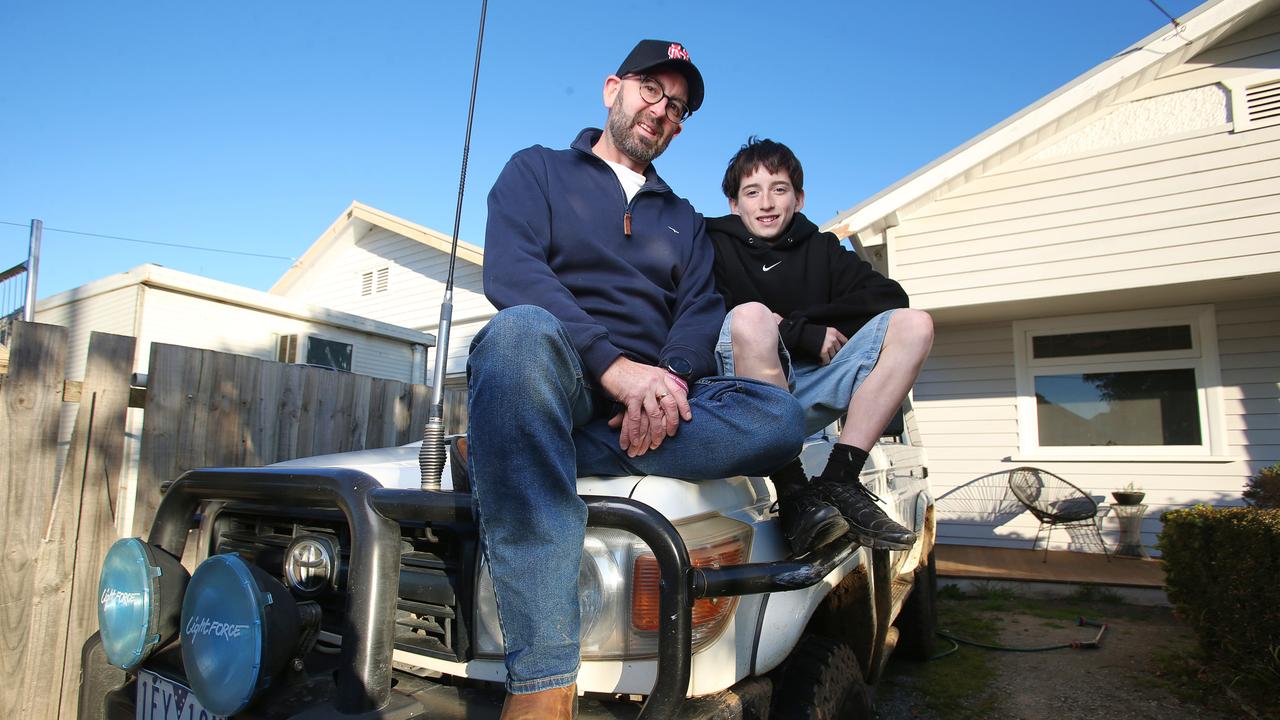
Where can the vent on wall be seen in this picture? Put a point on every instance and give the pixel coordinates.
(1255, 100)
(375, 281)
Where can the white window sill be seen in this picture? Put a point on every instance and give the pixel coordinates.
(1121, 458)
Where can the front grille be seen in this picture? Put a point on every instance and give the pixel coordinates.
(437, 571)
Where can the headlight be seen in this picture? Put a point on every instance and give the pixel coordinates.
(239, 628)
(618, 591)
(139, 599)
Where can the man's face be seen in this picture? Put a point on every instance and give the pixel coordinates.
(766, 202)
(641, 130)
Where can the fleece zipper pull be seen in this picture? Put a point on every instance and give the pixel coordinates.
(626, 223)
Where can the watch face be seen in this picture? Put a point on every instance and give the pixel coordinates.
(680, 366)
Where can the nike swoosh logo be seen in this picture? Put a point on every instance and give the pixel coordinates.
(767, 268)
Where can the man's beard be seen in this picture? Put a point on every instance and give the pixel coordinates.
(637, 148)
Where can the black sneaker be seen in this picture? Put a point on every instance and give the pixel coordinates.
(858, 505)
(807, 522)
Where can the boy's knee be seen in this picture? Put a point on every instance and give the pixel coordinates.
(753, 327)
(913, 326)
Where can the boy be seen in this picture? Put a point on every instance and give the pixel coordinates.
(808, 314)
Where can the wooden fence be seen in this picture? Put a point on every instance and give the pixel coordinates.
(201, 409)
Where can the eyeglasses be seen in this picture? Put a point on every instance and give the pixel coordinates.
(651, 92)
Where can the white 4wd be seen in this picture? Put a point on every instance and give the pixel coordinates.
(715, 619)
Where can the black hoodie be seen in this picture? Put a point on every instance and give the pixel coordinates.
(806, 276)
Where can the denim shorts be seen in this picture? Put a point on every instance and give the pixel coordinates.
(822, 390)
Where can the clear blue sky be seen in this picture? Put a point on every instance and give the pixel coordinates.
(249, 126)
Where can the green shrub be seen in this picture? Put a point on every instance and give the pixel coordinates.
(1263, 489)
(1222, 570)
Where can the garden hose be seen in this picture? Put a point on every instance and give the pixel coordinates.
(954, 647)
(1093, 644)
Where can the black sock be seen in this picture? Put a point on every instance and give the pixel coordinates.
(790, 479)
(845, 464)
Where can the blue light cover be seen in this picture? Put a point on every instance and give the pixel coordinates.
(128, 603)
(222, 634)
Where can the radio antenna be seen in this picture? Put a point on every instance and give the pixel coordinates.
(431, 456)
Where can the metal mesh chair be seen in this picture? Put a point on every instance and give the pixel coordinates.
(1055, 502)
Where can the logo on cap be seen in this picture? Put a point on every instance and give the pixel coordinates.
(677, 52)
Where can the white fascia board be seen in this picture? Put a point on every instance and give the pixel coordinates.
(163, 278)
(196, 285)
(419, 233)
(1128, 63)
(315, 250)
(94, 288)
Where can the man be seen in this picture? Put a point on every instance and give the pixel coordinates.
(853, 346)
(599, 361)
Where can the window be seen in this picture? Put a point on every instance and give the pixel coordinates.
(329, 353)
(286, 348)
(1120, 384)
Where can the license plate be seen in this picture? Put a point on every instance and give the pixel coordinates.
(160, 698)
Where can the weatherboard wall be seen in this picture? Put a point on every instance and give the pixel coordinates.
(112, 309)
(180, 319)
(966, 407)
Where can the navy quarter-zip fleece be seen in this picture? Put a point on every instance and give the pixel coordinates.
(557, 238)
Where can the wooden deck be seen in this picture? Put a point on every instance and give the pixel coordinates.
(985, 563)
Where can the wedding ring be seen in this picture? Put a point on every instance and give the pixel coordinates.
(662, 394)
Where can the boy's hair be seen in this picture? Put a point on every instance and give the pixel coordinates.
(773, 156)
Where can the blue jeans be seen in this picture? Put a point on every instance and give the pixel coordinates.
(536, 424)
(823, 391)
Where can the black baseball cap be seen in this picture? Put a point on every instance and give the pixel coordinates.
(665, 55)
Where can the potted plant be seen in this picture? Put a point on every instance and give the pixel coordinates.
(1128, 495)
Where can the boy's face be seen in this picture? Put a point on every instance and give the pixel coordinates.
(766, 202)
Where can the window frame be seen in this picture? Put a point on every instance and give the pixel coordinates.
(1202, 358)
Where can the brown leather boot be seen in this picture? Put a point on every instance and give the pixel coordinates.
(554, 704)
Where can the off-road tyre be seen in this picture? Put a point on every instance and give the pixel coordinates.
(822, 681)
(918, 621)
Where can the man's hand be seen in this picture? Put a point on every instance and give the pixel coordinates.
(654, 404)
(831, 345)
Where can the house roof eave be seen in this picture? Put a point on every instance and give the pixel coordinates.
(359, 212)
(1198, 28)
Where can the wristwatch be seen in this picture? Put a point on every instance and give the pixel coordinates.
(678, 366)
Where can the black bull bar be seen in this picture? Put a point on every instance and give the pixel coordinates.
(373, 513)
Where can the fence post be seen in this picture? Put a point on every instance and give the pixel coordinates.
(80, 528)
(30, 402)
(33, 269)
